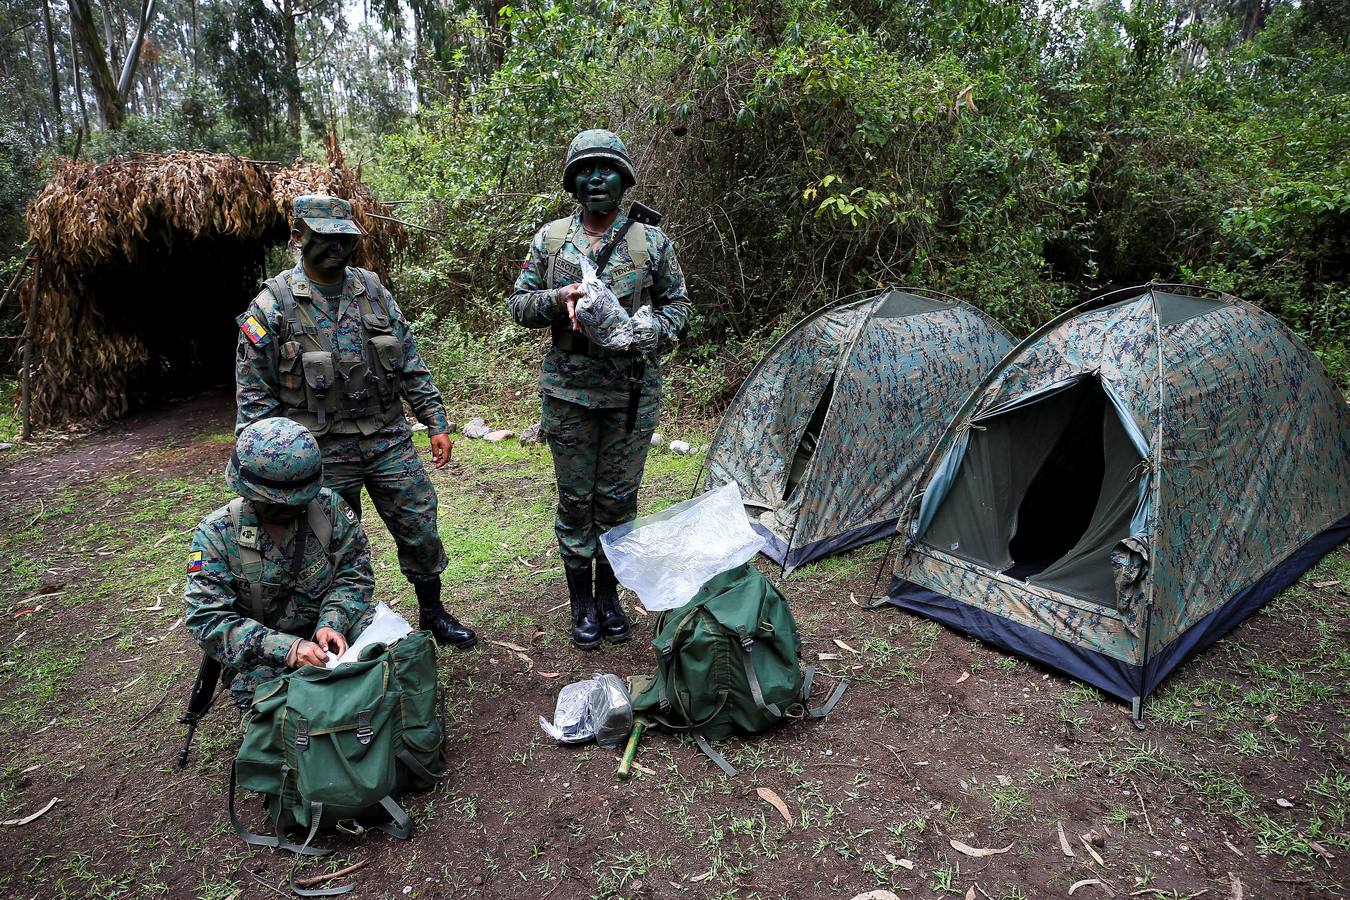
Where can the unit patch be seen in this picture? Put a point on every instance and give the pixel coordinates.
(195, 561)
(254, 330)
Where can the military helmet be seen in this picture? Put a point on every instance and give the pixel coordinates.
(276, 461)
(597, 143)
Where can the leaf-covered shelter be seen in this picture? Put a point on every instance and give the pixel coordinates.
(142, 262)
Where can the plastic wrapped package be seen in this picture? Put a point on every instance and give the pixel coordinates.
(598, 708)
(602, 317)
(646, 330)
(666, 557)
(385, 627)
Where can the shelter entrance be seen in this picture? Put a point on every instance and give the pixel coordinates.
(1045, 492)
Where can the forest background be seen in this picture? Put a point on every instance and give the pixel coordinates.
(1019, 155)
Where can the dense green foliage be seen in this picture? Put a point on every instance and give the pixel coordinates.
(1019, 155)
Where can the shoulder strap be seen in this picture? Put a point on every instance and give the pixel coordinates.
(250, 564)
(374, 290)
(320, 520)
(281, 290)
(555, 235)
(637, 246)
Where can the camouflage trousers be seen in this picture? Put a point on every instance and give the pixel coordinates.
(598, 464)
(245, 681)
(400, 489)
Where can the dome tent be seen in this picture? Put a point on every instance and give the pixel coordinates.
(830, 429)
(1132, 481)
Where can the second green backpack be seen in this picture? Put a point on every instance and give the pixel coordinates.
(727, 663)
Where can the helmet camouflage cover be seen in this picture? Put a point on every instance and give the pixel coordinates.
(276, 461)
(597, 143)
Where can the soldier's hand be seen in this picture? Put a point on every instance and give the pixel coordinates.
(331, 640)
(568, 295)
(309, 654)
(441, 447)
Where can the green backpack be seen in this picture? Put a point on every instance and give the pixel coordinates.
(727, 663)
(334, 747)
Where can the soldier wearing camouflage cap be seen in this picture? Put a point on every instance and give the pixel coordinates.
(599, 406)
(281, 575)
(325, 345)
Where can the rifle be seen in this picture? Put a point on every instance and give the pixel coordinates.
(645, 215)
(199, 702)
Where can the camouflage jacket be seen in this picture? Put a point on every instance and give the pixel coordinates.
(333, 590)
(600, 383)
(259, 359)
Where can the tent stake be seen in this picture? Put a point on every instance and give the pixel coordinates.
(26, 386)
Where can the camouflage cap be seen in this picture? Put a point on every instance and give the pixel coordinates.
(275, 461)
(597, 143)
(325, 214)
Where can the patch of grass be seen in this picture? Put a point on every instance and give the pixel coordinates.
(1005, 801)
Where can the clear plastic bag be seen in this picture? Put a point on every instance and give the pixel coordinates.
(666, 557)
(598, 708)
(385, 628)
(602, 317)
(646, 330)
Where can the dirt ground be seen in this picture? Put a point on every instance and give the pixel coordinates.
(1238, 787)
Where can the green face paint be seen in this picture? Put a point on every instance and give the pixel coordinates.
(598, 186)
(326, 255)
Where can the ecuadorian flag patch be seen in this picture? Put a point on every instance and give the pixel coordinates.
(253, 330)
(195, 561)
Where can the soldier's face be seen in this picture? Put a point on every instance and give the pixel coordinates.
(325, 254)
(599, 186)
(278, 513)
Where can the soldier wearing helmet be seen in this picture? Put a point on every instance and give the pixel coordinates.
(281, 575)
(325, 344)
(599, 406)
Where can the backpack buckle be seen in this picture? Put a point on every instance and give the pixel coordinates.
(363, 732)
(668, 652)
(746, 640)
(302, 735)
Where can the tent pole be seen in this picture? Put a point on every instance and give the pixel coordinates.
(26, 383)
(890, 545)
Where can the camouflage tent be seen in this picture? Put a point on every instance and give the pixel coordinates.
(1131, 482)
(828, 432)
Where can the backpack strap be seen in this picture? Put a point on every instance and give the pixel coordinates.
(320, 521)
(315, 817)
(718, 759)
(555, 235)
(250, 560)
(747, 658)
(820, 712)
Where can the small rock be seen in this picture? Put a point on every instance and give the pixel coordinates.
(1283, 803)
(531, 435)
(679, 447)
(476, 428)
(498, 435)
(658, 440)
(6, 446)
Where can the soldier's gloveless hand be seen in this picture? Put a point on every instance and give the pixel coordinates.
(441, 448)
(568, 295)
(309, 653)
(331, 640)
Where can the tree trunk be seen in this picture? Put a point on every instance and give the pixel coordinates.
(100, 76)
(51, 65)
(194, 41)
(292, 71)
(75, 71)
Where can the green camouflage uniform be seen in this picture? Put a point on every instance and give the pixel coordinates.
(374, 448)
(597, 461)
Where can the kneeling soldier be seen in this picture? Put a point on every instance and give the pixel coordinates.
(281, 575)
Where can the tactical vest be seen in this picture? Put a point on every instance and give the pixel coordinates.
(630, 283)
(325, 393)
(260, 597)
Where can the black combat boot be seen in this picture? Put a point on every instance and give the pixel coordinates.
(613, 621)
(585, 626)
(433, 617)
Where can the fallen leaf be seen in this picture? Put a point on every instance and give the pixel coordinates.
(970, 892)
(529, 663)
(769, 796)
(964, 676)
(1325, 584)
(1321, 851)
(900, 861)
(1283, 803)
(976, 852)
(1235, 885)
(37, 815)
(1271, 718)
(548, 674)
(26, 611)
(842, 646)
(1235, 850)
(826, 657)
(877, 895)
(706, 875)
(1093, 853)
(1086, 882)
(509, 646)
(1064, 841)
